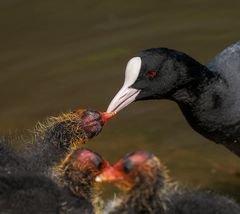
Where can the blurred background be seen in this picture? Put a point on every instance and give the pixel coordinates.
(58, 55)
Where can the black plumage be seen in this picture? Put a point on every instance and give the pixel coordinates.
(209, 96)
(23, 193)
(10, 160)
(33, 179)
(70, 189)
(149, 190)
(57, 136)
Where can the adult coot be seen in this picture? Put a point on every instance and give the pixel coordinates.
(149, 190)
(209, 96)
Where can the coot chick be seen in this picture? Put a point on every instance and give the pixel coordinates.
(59, 135)
(77, 173)
(10, 160)
(149, 190)
(24, 193)
(72, 190)
(209, 96)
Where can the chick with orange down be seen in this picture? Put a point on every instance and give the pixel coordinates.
(71, 190)
(58, 136)
(52, 159)
(77, 173)
(149, 190)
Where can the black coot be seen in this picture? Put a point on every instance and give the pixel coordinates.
(209, 96)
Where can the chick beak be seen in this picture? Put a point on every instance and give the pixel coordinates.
(109, 175)
(106, 116)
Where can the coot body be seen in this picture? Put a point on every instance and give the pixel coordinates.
(209, 96)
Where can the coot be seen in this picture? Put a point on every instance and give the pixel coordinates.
(209, 96)
(150, 191)
(56, 137)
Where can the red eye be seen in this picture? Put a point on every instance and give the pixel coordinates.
(152, 74)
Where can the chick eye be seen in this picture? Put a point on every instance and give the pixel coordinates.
(151, 74)
(99, 165)
(127, 167)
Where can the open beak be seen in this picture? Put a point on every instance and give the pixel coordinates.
(122, 99)
(109, 175)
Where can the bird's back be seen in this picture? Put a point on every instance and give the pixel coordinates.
(227, 61)
(227, 64)
(198, 202)
(10, 160)
(25, 194)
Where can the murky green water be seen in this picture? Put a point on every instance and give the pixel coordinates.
(59, 55)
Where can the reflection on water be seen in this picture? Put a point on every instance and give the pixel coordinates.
(58, 55)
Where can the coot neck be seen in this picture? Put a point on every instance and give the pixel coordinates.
(199, 79)
(43, 154)
(78, 203)
(81, 183)
(146, 197)
(83, 189)
(50, 146)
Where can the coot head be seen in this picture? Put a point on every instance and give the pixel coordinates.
(79, 170)
(93, 121)
(154, 74)
(73, 128)
(133, 171)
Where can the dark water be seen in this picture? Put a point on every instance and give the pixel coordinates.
(59, 55)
